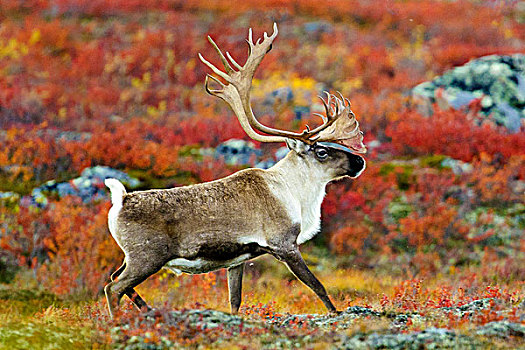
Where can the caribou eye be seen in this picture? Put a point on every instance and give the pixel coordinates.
(321, 153)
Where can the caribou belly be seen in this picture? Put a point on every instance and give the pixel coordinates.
(200, 265)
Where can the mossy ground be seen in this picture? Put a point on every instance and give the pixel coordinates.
(277, 312)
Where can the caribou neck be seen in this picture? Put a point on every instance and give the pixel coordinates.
(301, 189)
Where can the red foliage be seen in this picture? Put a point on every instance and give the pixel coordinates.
(67, 244)
(78, 263)
(451, 133)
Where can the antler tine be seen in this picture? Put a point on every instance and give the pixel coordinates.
(326, 105)
(334, 111)
(250, 39)
(337, 103)
(206, 84)
(342, 99)
(215, 69)
(274, 34)
(215, 79)
(250, 36)
(345, 101)
(275, 31)
(237, 65)
(322, 116)
(227, 66)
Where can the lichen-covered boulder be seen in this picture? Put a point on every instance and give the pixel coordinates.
(431, 338)
(502, 329)
(496, 83)
(89, 186)
(278, 155)
(238, 152)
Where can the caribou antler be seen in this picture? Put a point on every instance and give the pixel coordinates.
(237, 94)
(345, 129)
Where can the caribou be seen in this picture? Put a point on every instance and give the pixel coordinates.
(224, 223)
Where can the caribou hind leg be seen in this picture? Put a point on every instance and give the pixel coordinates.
(133, 295)
(134, 273)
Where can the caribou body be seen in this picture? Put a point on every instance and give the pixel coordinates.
(223, 223)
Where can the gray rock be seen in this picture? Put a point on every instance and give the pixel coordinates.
(499, 81)
(431, 338)
(100, 173)
(511, 117)
(9, 196)
(238, 152)
(502, 329)
(281, 153)
(265, 164)
(458, 167)
(462, 99)
(89, 186)
(318, 27)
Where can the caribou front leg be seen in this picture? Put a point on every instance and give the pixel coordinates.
(293, 259)
(235, 287)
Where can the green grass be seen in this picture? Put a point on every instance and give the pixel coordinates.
(34, 319)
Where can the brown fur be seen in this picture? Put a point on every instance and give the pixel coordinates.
(201, 219)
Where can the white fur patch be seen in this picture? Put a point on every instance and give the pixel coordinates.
(301, 190)
(311, 219)
(112, 218)
(199, 265)
(253, 239)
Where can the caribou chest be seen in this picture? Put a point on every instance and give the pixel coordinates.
(311, 218)
(302, 208)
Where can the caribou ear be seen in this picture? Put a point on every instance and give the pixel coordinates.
(296, 145)
(291, 143)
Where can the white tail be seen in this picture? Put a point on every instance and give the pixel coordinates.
(117, 190)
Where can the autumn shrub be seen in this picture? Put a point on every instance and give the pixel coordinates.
(21, 235)
(451, 133)
(427, 218)
(81, 253)
(32, 155)
(66, 244)
(497, 181)
(417, 295)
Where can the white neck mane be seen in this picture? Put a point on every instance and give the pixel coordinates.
(301, 188)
